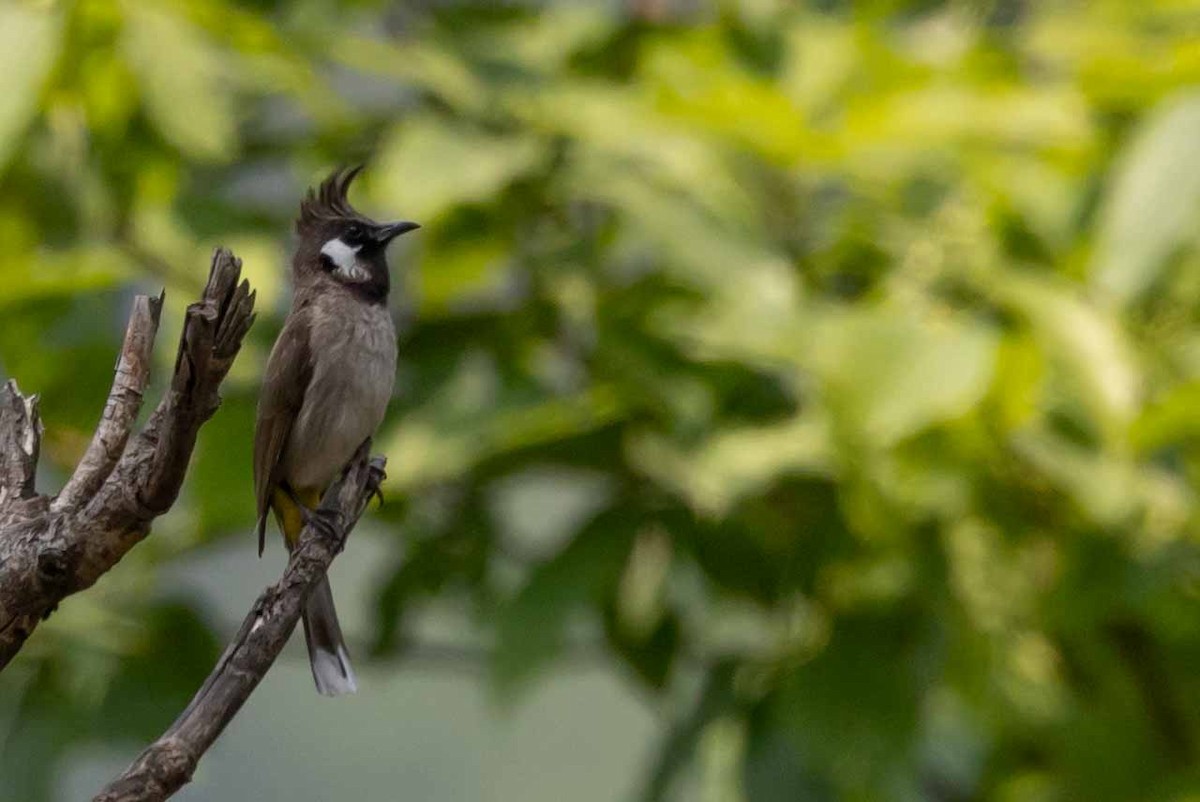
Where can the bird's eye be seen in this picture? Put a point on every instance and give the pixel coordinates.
(354, 232)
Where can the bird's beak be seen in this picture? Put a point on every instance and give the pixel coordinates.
(386, 233)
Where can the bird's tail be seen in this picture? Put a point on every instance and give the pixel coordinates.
(326, 649)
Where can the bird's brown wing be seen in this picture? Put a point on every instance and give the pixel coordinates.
(289, 369)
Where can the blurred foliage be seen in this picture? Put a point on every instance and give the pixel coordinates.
(866, 333)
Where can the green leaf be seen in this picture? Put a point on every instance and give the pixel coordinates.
(156, 682)
(43, 730)
(1087, 343)
(440, 550)
(1110, 489)
(428, 167)
(427, 567)
(1153, 203)
(679, 747)
(181, 77)
(1170, 421)
(424, 64)
(684, 235)
(47, 274)
(697, 79)
(735, 462)
(464, 274)
(220, 485)
(775, 771)
(464, 424)
(548, 39)
(853, 710)
(30, 39)
(652, 658)
(530, 628)
(617, 136)
(892, 373)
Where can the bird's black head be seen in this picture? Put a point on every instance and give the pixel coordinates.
(338, 242)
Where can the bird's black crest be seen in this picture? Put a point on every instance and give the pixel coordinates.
(328, 202)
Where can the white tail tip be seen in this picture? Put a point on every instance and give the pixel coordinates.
(332, 672)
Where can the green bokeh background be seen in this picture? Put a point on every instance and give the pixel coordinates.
(798, 401)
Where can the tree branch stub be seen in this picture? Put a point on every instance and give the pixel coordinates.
(20, 441)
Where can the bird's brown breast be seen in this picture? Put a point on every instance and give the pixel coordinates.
(353, 347)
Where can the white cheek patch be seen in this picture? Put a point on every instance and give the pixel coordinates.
(345, 258)
(340, 254)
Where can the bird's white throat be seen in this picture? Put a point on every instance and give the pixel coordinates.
(345, 259)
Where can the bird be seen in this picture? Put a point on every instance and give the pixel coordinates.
(326, 387)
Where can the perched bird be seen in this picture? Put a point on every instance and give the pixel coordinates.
(327, 385)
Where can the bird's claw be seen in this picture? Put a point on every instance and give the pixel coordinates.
(325, 521)
(375, 480)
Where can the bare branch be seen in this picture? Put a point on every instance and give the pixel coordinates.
(147, 479)
(167, 764)
(51, 550)
(124, 403)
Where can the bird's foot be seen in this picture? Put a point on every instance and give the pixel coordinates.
(327, 522)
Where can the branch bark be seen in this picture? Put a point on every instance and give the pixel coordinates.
(20, 440)
(121, 410)
(51, 548)
(167, 764)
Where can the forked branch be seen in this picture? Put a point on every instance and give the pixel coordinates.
(53, 547)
